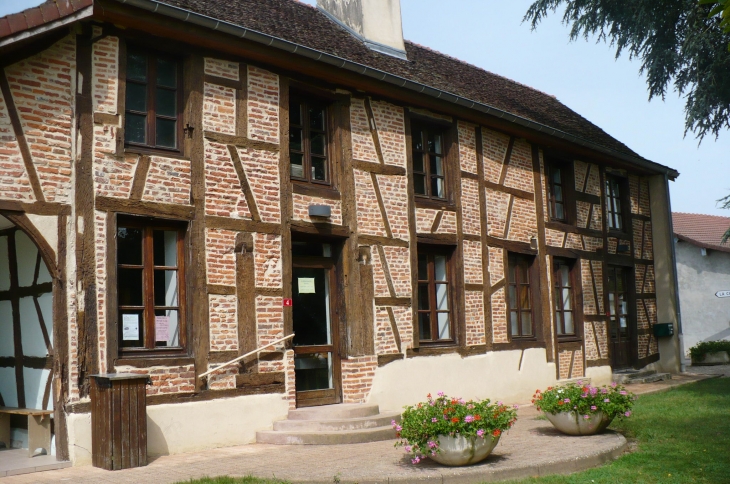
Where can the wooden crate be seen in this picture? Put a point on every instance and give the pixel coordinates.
(119, 420)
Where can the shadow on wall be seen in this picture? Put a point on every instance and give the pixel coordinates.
(156, 442)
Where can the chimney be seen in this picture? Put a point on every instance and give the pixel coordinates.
(377, 23)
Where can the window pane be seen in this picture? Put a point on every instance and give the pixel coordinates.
(165, 247)
(558, 193)
(559, 322)
(431, 140)
(514, 323)
(437, 144)
(559, 211)
(135, 128)
(166, 288)
(295, 139)
(424, 325)
(442, 297)
(130, 287)
(556, 176)
(136, 97)
(439, 264)
(316, 118)
(313, 372)
(137, 66)
(526, 323)
(565, 275)
(129, 245)
(319, 169)
(524, 297)
(318, 144)
(437, 165)
(444, 327)
(437, 187)
(419, 184)
(423, 267)
(423, 302)
(512, 297)
(611, 303)
(297, 165)
(569, 329)
(511, 271)
(166, 102)
(567, 303)
(166, 73)
(524, 273)
(417, 137)
(166, 133)
(167, 327)
(295, 113)
(131, 327)
(418, 165)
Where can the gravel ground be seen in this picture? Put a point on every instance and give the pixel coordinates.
(723, 370)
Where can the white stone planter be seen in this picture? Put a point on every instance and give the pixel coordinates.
(717, 358)
(572, 423)
(461, 451)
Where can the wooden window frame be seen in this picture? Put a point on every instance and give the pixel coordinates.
(430, 252)
(533, 284)
(148, 225)
(621, 186)
(575, 295)
(442, 131)
(151, 114)
(567, 179)
(305, 100)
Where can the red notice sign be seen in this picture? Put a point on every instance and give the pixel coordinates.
(288, 302)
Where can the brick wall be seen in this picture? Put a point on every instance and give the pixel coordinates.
(390, 124)
(224, 196)
(223, 322)
(219, 108)
(221, 68)
(467, 147)
(357, 378)
(267, 260)
(494, 145)
(474, 305)
(14, 181)
(104, 73)
(263, 105)
(301, 205)
(168, 181)
(221, 262)
(472, 262)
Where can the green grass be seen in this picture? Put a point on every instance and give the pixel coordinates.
(681, 436)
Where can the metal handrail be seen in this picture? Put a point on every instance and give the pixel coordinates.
(257, 350)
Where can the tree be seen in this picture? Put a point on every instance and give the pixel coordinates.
(684, 42)
(679, 42)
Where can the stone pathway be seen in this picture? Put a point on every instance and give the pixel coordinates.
(531, 448)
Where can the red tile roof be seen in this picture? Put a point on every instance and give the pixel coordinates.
(33, 17)
(704, 231)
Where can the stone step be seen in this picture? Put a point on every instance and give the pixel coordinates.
(334, 412)
(326, 437)
(381, 420)
(650, 378)
(625, 376)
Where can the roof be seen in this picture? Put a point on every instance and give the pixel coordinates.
(304, 25)
(42, 14)
(704, 231)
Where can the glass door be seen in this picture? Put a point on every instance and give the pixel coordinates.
(619, 318)
(316, 356)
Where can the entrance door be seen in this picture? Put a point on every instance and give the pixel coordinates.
(620, 324)
(316, 341)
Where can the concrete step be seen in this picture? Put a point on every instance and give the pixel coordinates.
(326, 437)
(380, 420)
(334, 412)
(650, 378)
(625, 376)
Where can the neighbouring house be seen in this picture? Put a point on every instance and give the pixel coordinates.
(703, 274)
(185, 181)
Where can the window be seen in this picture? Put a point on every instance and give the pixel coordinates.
(613, 204)
(308, 141)
(519, 296)
(564, 300)
(434, 298)
(150, 285)
(153, 98)
(429, 171)
(557, 192)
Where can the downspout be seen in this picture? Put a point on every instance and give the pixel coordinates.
(680, 336)
(293, 48)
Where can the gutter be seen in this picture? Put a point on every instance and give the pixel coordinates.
(293, 48)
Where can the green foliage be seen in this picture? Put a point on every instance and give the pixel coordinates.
(722, 9)
(702, 348)
(613, 401)
(677, 42)
(680, 437)
(422, 424)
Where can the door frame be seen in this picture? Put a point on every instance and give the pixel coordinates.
(310, 398)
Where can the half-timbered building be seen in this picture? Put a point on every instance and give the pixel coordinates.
(183, 182)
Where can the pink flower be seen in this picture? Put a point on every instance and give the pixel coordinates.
(593, 407)
(606, 400)
(440, 394)
(398, 428)
(614, 384)
(432, 444)
(468, 419)
(416, 460)
(515, 406)
(408, 448)
(480, 432)
(567, 400)
(604, 390)
(433, 452)
(628, 413)
(622, 392)
(393, 423)
(586, 417)
(434, 420)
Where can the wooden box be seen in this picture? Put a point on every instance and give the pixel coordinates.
(119, 420)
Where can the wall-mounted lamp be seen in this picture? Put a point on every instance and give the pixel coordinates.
(533, 242)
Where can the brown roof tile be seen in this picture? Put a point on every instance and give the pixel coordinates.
(17, 22)
(5, 27)
(49, 10)
(46, 12)
(704, 231)
(64, 7)
(33, 17)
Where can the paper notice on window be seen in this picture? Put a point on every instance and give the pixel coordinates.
(130, 327)
(162, 328)
(306, 285)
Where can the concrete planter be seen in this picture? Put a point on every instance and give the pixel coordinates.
(461, 451)
(573, 424)
(717, 358)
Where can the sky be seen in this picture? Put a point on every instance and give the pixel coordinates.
(583, 75)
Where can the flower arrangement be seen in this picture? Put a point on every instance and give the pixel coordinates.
(613, 401)
(422, 424)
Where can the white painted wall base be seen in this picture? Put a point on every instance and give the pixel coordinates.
(600, 375)
(187, 427)
(498, 376)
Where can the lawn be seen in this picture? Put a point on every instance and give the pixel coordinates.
(680, 436)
